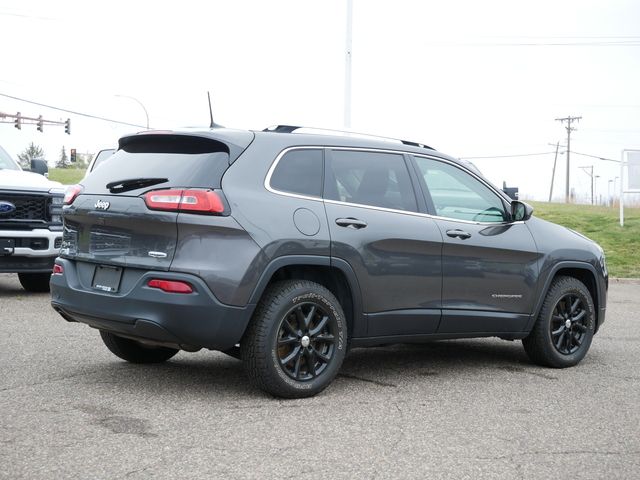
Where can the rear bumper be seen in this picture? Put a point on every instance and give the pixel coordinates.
(196, 320)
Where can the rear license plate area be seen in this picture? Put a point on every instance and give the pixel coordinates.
(107, 278)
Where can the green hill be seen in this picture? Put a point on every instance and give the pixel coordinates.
(602, 224)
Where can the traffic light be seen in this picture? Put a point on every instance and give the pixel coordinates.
(18, 122)
(72, 155)
(67, 126)
(40, 123)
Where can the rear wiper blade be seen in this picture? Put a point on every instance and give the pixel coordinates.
(120, 186)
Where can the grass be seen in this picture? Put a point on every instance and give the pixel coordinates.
(66, 176)
(601, 224)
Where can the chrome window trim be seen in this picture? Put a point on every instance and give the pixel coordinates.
(475, 176)
(267, 183)
(267, 180)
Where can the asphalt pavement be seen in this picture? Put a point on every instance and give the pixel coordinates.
(448, 409)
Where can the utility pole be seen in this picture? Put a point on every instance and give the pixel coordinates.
(553, 174)
(590, 173)
(569, 128)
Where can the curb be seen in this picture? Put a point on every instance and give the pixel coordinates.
(631, 281)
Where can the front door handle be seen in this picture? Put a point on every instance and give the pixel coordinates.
(351, 222)
(462, 235)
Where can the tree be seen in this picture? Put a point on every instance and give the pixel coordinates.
(83, 160)
(28, 154)
(63, 161)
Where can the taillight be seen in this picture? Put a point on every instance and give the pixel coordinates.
(187, 200)
(71, 193)
(58, 269)
(170, 286)
(163, 199)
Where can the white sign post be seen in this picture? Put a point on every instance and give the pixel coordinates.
(630, 159)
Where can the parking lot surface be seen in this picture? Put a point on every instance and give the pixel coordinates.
(447, 409)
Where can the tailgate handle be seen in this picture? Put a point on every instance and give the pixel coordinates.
(351, 222)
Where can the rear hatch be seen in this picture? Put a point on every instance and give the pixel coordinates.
(111, 222)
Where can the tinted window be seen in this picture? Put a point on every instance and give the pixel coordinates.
(102, 156)
(457, 194)
(299, 171)
(185, 161)
(370, 178)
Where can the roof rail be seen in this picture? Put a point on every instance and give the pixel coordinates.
(293, 128)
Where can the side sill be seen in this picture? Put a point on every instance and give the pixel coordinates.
(386, 340)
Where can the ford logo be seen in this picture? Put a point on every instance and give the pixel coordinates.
(6, 208)
(101, 205)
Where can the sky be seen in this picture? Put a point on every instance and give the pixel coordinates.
(472, 79)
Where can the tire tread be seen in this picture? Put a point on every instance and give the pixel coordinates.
(253, 347)
(536, 344)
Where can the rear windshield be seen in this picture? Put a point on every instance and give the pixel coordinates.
(184, 161)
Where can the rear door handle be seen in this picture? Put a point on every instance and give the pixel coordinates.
(351, 222)
(458, 233)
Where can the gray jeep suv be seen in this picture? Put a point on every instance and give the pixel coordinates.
(286, 248)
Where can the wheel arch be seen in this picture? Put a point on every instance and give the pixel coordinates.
(585, 272)
(334, 274)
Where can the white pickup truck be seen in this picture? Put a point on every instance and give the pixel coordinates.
(30, 223)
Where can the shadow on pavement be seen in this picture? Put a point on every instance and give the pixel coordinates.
(210, 374)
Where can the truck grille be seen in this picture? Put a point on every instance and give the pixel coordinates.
(28, 207)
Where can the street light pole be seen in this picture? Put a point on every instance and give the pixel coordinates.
(146, 114)
(347, 66)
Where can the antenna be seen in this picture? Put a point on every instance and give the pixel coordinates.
(210, 111)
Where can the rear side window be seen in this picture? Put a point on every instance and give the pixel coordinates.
(185, 161)
(370, 178)
(299, 171)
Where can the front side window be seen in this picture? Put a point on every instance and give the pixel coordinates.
(299, 171)
(457, 194)
(370, 178)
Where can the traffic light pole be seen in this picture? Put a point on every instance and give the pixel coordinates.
(19, 120)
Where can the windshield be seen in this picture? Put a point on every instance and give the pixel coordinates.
(6, 162)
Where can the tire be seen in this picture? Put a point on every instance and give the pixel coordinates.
(565, 325)
(35, 282)
(296, 341)
(135, 352)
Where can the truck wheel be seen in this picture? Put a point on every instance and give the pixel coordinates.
(564, 329)
(135, 352)
(35, 282)
(296, 341)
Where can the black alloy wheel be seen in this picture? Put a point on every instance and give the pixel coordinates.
(306, 341)
(565, 325)
(296, 340)
(569, 324)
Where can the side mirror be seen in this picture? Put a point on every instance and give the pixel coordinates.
(40, 166)
(520, 211)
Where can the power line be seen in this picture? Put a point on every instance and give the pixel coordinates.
(595, 156)
(600, 43)
(81, 114)
(539, 154)
(508, 156)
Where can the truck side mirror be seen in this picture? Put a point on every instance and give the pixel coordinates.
(40, 166)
